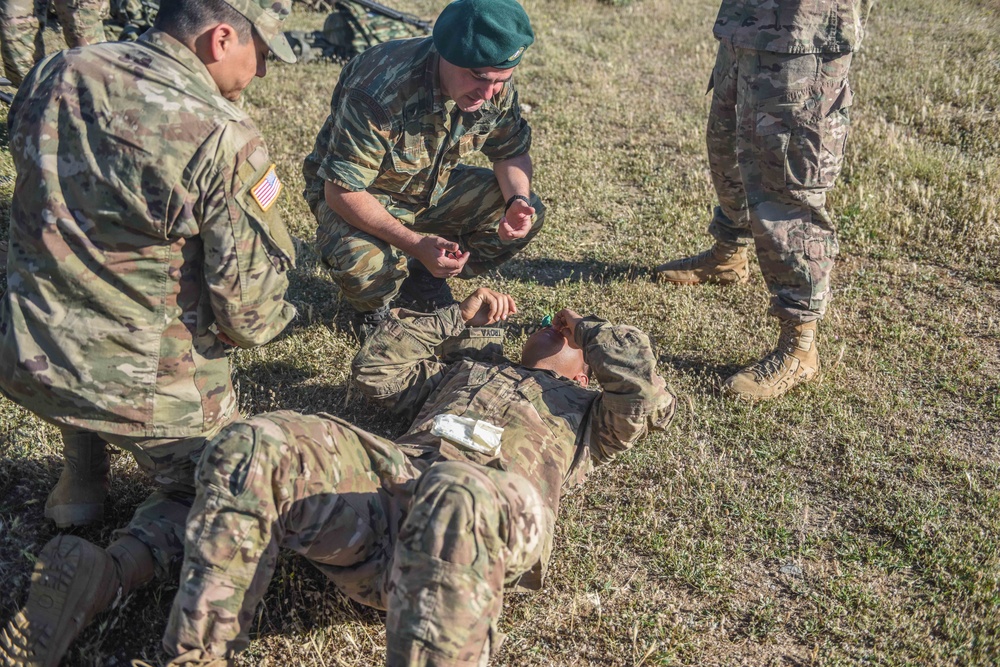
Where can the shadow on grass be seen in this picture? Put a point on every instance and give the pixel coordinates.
(549, 271)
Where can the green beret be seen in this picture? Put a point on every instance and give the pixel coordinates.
(483, 33)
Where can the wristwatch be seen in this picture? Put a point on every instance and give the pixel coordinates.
(514, 199)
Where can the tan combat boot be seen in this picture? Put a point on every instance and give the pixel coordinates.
(722, 264)
(77, 499)
(794, 361)
(73, 581)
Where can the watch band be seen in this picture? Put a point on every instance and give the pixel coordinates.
(514, 199)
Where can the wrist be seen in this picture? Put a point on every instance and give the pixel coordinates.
(515, 198)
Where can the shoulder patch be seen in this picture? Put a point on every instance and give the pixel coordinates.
(267, 189)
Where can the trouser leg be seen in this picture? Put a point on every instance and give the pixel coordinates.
(469, 212)
(282, 480)
(82, 21)
(469, 529)
(367, 270)
(21, 42)
(793, 128)
(731, 220)
(159, 520)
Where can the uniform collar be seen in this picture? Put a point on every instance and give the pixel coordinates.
(433, 82)
(440, 103)
(175, 50)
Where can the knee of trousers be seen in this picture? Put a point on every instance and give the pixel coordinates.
(367, 270)
(464, 514)
(241, 458)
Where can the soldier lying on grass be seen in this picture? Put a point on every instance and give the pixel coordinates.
(432, 526)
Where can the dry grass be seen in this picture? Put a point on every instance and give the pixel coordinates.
(855, 522)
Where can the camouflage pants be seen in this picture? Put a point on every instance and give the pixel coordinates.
(159, 521)
(434, 548)
(369, 271)
(776, 135)
(23, 21)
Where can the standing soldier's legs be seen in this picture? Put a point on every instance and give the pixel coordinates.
(282, 480)
(74, 580)
(470, 529)
(21, 42)
(78, 497)
(82, 21)
(725, 262)
(794, 126)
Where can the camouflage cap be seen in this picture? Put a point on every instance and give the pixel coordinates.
(267, 17)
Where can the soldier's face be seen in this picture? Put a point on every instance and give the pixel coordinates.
(547, 348)
(470, 88)
(242, 62)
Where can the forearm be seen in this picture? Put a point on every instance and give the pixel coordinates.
(514, 176)
(397, 366)
(361, 210)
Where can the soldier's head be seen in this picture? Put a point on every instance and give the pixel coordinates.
(480, 43)
(549, 349)
(231, 37)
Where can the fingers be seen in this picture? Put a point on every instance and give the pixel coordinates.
(449, 264)
(446, 245)
(499, 306)
(485, 306)
(514, 226)
(565, 322)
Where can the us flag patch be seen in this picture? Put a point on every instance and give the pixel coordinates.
(267, 189)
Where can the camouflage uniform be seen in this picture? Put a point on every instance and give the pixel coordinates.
(391, 132)
(135, 236)
(23, 21)
(419, 527)
(776, 135)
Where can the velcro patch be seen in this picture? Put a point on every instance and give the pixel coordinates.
(266, 192)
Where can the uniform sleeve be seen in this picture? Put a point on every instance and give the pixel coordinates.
(248, 251)
(358, 138)
(398, 366)
(512, 135)
(634, 398)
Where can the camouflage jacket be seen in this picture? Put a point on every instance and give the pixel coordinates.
(555, 430)
(136, 233)
(793, 26)
(392, 131)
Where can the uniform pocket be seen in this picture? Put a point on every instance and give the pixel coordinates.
(801, 142)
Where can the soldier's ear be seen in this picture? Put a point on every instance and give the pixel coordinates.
(221, 40)
(583, 379)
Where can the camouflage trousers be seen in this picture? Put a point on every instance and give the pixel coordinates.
(23, 21)
(433, 547)
(369, 271)
(776, 135)
(159, 520)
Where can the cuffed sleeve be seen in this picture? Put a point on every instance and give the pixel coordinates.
(358, 141)
(634, 398)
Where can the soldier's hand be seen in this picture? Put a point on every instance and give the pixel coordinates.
(443, 258)
(226, 339)
(565, 322)
(485, 306)
(516, 222)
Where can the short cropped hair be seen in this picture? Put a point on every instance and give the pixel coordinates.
(186, 19)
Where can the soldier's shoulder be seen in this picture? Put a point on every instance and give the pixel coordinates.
(382, 69)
